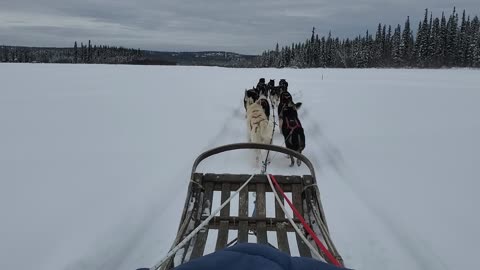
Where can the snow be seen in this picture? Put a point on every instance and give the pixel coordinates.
(95, 160)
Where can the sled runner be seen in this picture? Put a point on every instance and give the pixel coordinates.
(305, 197)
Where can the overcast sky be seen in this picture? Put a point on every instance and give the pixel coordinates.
(244, 26)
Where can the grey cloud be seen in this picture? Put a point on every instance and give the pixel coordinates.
(248, 26)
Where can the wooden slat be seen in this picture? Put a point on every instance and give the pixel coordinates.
(297, 202)
(282, 239)
(222, 238)
(243, 213)
(251, 187)
(235, 220)
(257, 179)
(252, 225)
(261, 212)
(199, 247)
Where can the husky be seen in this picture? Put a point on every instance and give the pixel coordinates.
(292, 129)
(258, 127)
(250, 97)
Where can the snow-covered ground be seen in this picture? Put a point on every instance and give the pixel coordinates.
(95, 160)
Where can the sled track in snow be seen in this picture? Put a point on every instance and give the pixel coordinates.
(325, 153)
(226, 128)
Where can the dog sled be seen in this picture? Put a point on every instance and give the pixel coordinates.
(198, 221)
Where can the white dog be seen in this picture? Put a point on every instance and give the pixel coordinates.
(258, 125)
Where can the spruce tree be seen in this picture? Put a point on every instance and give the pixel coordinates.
(476, 51)
(467, 57)
(377, 47)
(443, 41)
(5, 54)
(384, 44)
(368, 50)
(461, 42)
(474, 45)
(329, 50)
(397, 46)
(75, 53)
(82, 53)
(424, 41)
(452, 39)
(417, 52)
(435, 45)
(89, 52)
(388, 41)
(432, 46)
(316, 51)
(407, 43)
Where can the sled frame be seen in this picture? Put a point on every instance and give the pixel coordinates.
(198, 205)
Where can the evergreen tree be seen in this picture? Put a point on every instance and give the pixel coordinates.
(474, 45)
(75, 53)
(417, 52)
(329, 50)
(435, 48)
(452, 39)
(388, 41)
(407, 43)
(443, 41)
(424, 42)
(462, 42)
(397, 46)
(429, 46)
(89, 52)
(378, 47)
(82, 53)
(384, 44)
(5, 54)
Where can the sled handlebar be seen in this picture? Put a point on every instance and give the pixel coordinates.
(238, 146)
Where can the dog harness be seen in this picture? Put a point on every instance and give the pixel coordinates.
(292, 127)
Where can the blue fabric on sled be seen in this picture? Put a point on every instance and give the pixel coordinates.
(249, 256)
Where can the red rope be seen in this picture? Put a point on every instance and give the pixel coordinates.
(329, 255)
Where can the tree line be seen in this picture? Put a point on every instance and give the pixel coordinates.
(439, 42)
(83, 53)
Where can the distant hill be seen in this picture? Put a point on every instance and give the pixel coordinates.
(206, 58)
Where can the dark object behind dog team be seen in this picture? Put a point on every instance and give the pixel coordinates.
(289, 123)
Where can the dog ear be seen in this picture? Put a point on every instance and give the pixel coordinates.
(298, 105)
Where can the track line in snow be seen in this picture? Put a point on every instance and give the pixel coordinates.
(323, 152)
(227, 127)
(326, 154)
(411, 244)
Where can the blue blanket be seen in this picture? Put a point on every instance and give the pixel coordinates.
(253, 257)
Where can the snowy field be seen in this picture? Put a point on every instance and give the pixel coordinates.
(95, 160)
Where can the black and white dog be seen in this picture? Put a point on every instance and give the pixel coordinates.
(284, 99)
(251, 96)
(265, 105)
(275, 91)
(270, 85)
(292, 129)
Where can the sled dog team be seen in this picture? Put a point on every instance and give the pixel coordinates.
(258, 101)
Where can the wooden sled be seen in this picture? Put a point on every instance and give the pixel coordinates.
(198, 205)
